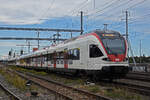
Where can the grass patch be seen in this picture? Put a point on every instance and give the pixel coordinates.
(16, 80)
(114, 93)
(93, 89)
(121, 93)
(52, 76)
(42, 73)
(75, 81)
(90, 88)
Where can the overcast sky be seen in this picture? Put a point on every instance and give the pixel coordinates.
(66, 14)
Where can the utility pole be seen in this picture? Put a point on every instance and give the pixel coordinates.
(38, 35)
(105, 27)
(71, 34)
(54, 41)
(81, 23)
(58, 35)
(127, 26)
(28, 46)
(127, 33)
(129, 45)
(140, 51)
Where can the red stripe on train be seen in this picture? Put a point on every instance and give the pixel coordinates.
(114, 58)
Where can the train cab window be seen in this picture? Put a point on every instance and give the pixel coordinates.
(95, 51)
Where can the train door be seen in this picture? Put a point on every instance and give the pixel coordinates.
(50, 60)
(36, 61)
(41, 60)
(65, 59)
(54, 58)
(83, 55)
(47, 65)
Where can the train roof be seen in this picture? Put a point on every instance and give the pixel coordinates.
(106, 32)
(45, 51)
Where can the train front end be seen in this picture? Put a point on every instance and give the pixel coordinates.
(115, 64)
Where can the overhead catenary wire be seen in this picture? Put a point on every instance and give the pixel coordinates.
(139, 19)
(103, 9)
(78, 7)
(48, 9)
(120, 6)
(112, 13)
(105, 6)
(111, 9)
(136, 4)
(92, 11)
(91, 14)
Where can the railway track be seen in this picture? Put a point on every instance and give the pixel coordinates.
(70, 93)
(139, 76)
(140, 73)
(137, 86)
(12, 96)
(129, 85)
(61, 90)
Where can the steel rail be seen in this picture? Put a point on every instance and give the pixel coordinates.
(131, 87)
(10, 92)
(139, 76)
(53, 91)
(140, 73)
(144, 90)
(89, 94)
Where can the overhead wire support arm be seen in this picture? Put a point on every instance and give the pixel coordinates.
(40, 29)
(48, 39)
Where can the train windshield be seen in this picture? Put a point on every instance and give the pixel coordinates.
(114, 45)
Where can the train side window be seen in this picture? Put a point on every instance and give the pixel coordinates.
(70, 54)
(61, 54)
(95, 51)
(49, 57)
(70, 62)
(52, 62)
(57, 55)
(62, 61)
(57, 61)
(76, 54)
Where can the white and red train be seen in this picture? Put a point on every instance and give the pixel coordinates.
(100, 54)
